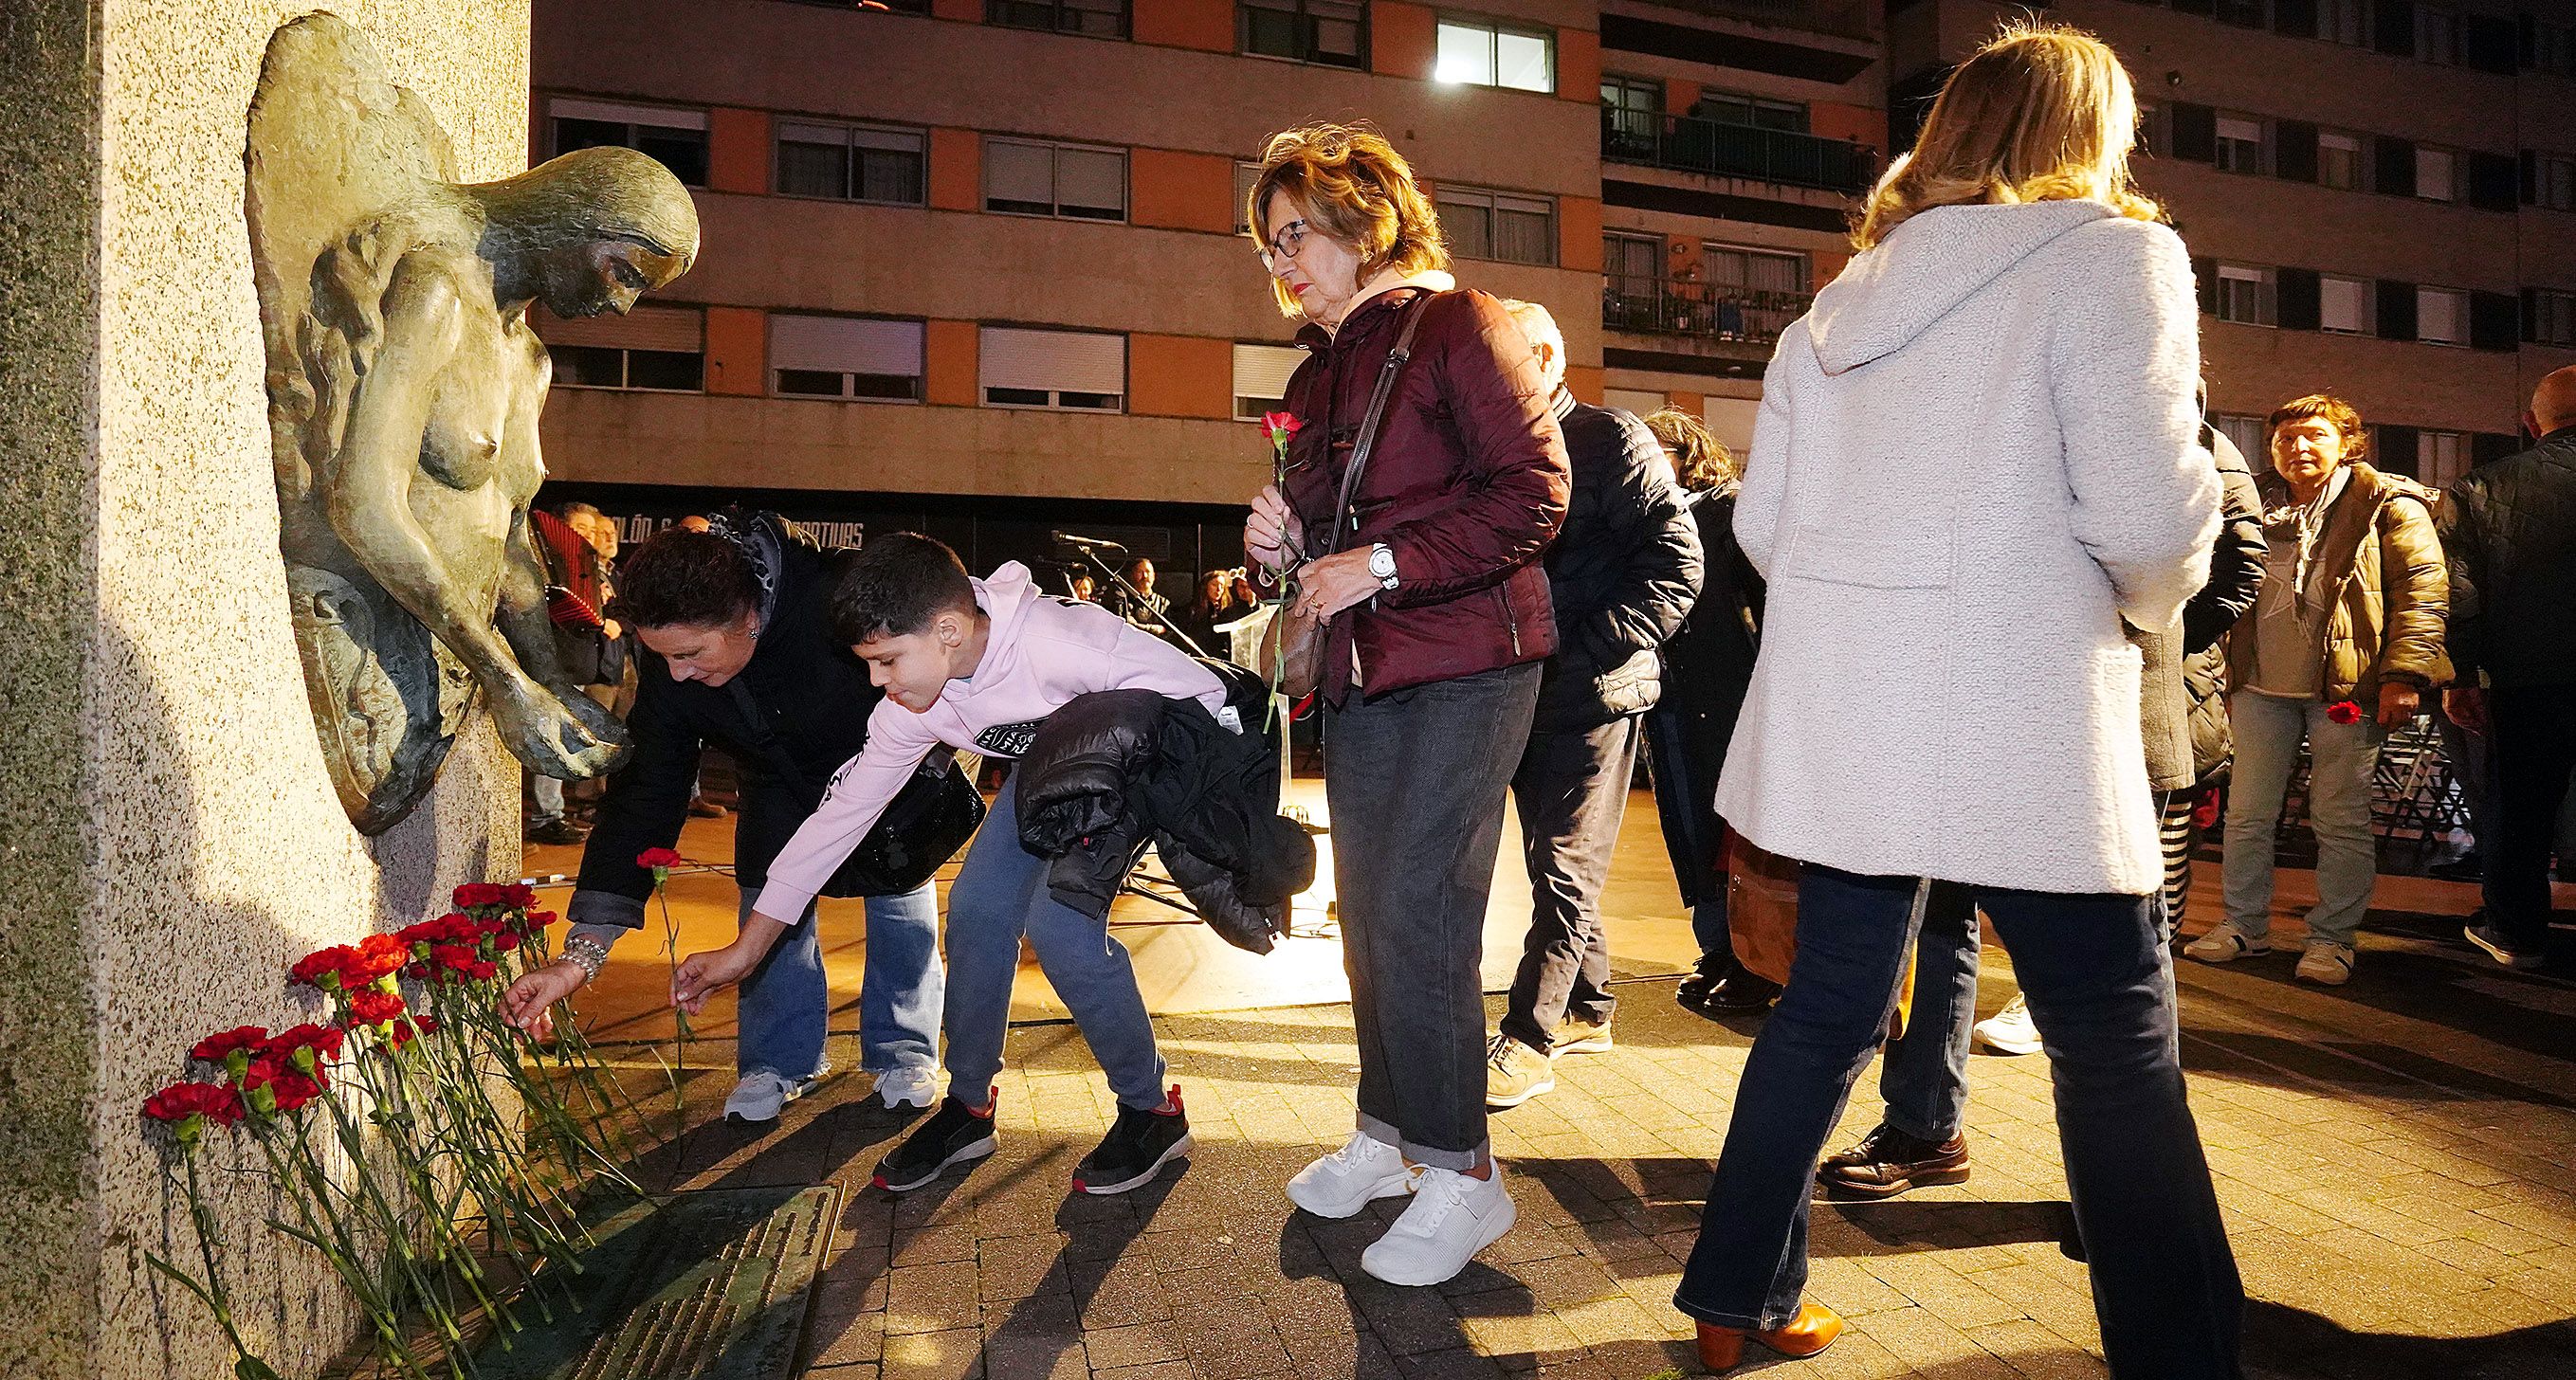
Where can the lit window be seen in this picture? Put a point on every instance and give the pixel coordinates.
(2441, 316)
(2245, 295)
(2436, 175)
(2344, 305)
(2339, 162)
(1481, 54)
(2440, 457)
(2246, 434)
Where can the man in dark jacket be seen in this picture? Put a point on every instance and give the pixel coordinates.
(738, 656)
(2509, 529)
(1622, 575)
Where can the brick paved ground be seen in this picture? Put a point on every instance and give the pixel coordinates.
(2397, 1161)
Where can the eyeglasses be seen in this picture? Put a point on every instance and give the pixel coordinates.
(1284, 246)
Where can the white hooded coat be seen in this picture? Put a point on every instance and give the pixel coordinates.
(1974, 457)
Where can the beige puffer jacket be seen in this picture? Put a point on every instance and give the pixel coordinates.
(2378, 566)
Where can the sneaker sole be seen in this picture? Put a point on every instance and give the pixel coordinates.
(1597, 1044)
(2250, 951)
(1842, 1188)
(974, 1151)
(1395, 1187)
(1515, 1099)
(2009, 1047)
(2323, 979)
(1492, 1233)
(2520, 963)
(1178, 1148)
(894, 1100)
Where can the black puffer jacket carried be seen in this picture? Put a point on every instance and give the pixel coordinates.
(1622, 573)
(1113, 770)
(2509, 529)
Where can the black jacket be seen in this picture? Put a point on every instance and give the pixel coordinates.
(1622, 573)
(1708, 668)
(1113, 770)
(788, 719)
(2509, 529)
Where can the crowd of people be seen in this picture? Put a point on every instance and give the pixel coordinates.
(1973, 631)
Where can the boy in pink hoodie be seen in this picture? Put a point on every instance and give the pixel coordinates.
(979, 665)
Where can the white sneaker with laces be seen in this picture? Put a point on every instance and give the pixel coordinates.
(2326, 963)
(1453, 1216)
(2010, 1031)
(1343, 1182)
(2226, 944)
(761, 1094)
(914, 1085)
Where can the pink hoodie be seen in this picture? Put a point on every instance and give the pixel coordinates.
(1041, 652)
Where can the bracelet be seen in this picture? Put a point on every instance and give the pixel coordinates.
(587, 954)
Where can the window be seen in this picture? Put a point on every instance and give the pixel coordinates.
(2437, 34)
(2245, 295)
(2248, 14)
(2441, 316)
(1636, 400)
(2553, 181)
(1326, 31)
(1761, 270)
(2437, 175)
(1025, 178)
(1482, 54)
(2344, 21)
(675, 138)
(2339, 160)
(1755, 293)
(2550, 47)
(2240, 144)
(1074, 370)
(2440, 457)
(2343, 305)
(852, 162)
(2553, 317)
(1497, 225)
(1634, 264)
(1245, 174)
(1632, 112)
(844, 357)
(1091, 18)
(1261, 376)
(2246, 434)
(1750, 110)
(651, 348)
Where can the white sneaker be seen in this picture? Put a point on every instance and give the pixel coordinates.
(1343, 1182)
(913, 1085)
(1453, 1216)
(2326, 963)
(2009, 1031)
(2226, 944)
(761, 1094)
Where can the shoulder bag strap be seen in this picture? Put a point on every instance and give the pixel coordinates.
(1367, 442)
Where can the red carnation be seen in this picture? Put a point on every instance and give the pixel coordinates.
(658, 859)
(505, 941)
(2344, 712)
(304, 1046)
(377, 956)
(215, 1048)
(375, 1008)
(426, 1024)
(187, 1107)
(518, 895)
(539, 919)
(474, 894)
(268, 1088)
(401, 1034)
(321, 968)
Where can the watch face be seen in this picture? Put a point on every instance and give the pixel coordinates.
(1381, 562)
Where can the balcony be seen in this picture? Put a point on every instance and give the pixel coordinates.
(1712, 312)
(1780, 156)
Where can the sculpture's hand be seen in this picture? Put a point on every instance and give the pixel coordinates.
(552, 737)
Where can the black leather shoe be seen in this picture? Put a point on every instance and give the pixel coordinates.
(1888, 1162)
(1742, 991)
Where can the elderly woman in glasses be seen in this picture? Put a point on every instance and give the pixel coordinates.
(1438, 619)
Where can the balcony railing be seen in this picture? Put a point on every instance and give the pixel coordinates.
(1702, 311)
(1724, 150)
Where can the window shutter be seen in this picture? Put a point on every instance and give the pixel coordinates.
(678, 329)
(2297, 18)
(2205, 273)
(2530, 178)
(845, 345)
(2531, 316)
(2294, 151)
(2394, 31)
(1091, 178)
(662, 117)
(2488, 43)
(2487, 447)
(2194, 137)
(1019, 172)
(2393, 165)
(2300, 296)
(2392, 449)
(1052, 361)
(2492, 179)
(2495, 321)
(1262, 371)
(2396, 310)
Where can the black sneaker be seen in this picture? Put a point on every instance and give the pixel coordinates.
(953, 1135)
(2500, 947)
(1137, 1147)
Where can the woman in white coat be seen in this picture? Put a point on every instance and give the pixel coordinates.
(1975, 458)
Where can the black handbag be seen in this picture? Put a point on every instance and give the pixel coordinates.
(925, 824)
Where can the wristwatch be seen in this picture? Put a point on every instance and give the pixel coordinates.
(1382, 565)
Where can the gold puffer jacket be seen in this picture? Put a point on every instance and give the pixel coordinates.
(2378, 568)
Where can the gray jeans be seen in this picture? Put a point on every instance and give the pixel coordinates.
(1572, 790)
(2341, 760)
(1415, 782)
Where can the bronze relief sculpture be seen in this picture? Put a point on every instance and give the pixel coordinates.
(404, 387)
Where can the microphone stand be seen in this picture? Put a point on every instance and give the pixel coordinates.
(1136, 597)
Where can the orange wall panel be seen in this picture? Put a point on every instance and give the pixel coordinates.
(1180, 191)
(1578, 233)
(961, 11)
(1180, 376)
(1578, 65)
(1202, 24)
(956, 170)
(738, 150)
(1827, 265)
(738, 351)
(1404, 40)
(1692, 403)
(1836, 121)
(1679, 95)
(948, 364)
(1585, 382)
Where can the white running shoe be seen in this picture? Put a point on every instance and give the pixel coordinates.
(1453, 1216)
(908, 1085)
(2326, 963)
(2009, 1031)
(761, 1094)
(1343, 1182)
(2226, 944)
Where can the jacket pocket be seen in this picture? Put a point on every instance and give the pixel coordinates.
(1923, 558)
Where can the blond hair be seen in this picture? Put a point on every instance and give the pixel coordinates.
(1354, 187)
(2041, 113)
(2334, 411)
(1700, 461)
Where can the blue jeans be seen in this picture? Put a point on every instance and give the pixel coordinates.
(2342, 758)
(786, 1004)
(1925, 1076)
(1000, 895)
(2165, 1285)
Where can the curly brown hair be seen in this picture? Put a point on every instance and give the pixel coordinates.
(1355, 187)
(681, 578)
(2343, 416)
(1700, 461)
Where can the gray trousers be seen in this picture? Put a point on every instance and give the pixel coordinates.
(1572, 791)
(1415, 781)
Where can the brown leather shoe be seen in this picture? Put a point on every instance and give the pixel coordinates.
(1721, 1349)
(1888, 1162)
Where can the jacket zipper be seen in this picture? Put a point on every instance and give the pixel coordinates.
(1511, 620)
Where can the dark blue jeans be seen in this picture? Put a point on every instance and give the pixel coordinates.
(2164, 1279)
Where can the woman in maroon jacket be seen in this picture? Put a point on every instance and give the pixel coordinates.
(1439, 618)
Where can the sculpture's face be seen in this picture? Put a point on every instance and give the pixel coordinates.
(709, 655)
(599, 277)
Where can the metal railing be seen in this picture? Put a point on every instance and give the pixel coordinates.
(1787, 157)
(1703, 311)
